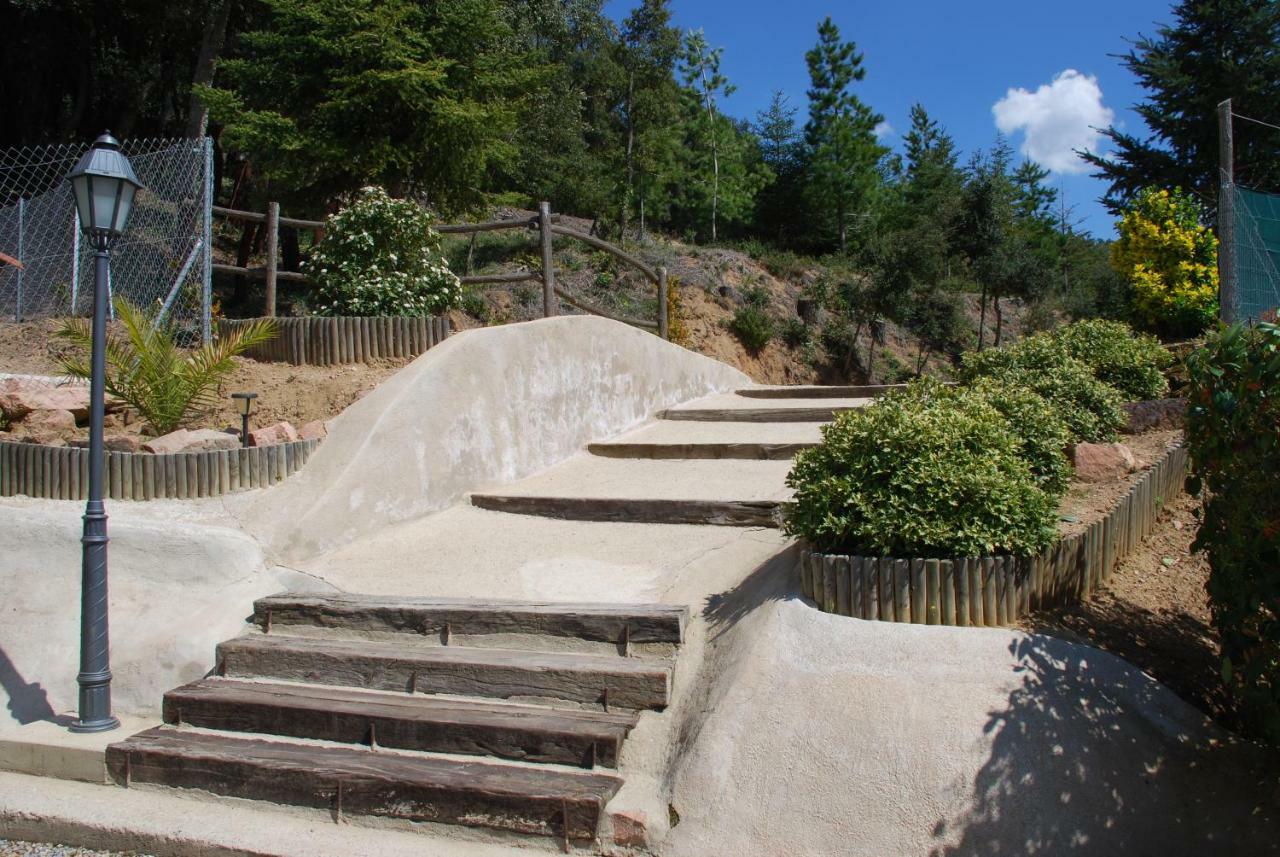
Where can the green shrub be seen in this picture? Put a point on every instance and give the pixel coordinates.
(1133, 363)
(753, 327)
(917, 474)
(756, 296)
(149, 371)
(795, 333)
(1233, 436)
(380, 257)
(1041, 432)
(1091, 408)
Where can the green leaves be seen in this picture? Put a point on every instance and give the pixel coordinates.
(1233, 434)
(146, 369)
(380, 257)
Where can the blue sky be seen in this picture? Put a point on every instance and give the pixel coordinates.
(959, 60)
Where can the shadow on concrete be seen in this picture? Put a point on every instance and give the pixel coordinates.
(28, 701)
(1090, 758)
(775, 580)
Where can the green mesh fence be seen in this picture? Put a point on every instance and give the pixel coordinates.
(1257, 252)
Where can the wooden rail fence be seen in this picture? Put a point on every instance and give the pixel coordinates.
(62, 472)
(545, 223)
(992, 590)
(320, 341)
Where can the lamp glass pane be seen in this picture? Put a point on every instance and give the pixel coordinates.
(80, 188)
(126, 205)
(104, 201)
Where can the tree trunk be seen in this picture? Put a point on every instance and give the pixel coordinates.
(982, 316)
(290, 252)
(216, 13)
(629, 191)
(871, 355)
(841, 225)
(999, 319)
(240, 297)
(715, 154)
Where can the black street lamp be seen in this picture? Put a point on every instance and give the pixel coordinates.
(104, 186)
(244, 404)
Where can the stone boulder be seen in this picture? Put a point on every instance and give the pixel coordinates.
(21, 396)
(313, 430)
(200, 440)
(1154, 414)
(281, 432)
(1103, 462)
(114, 443)
(52, 426)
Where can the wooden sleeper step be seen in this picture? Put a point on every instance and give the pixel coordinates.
(351, 781)
(633, 683)
(725, 513)
(745, 451)
(807, 391)
(637, 623)
(797, 414)
(472, 727)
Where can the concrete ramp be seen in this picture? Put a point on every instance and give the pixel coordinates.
(486, 407)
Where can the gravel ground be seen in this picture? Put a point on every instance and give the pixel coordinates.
(12, 848)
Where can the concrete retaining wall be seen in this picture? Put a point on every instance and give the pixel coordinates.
(485, 407)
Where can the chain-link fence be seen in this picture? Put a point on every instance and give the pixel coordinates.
(1257, 252)
(162, 261)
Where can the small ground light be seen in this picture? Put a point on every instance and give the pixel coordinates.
(244, 404)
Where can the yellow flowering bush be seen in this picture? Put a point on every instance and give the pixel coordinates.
(1171, 260)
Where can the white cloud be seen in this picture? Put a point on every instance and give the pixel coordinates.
(1056, 120)
(883, 129)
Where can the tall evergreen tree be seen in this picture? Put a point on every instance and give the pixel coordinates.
(1216, 49)
(779, 205)
(844, 154)
(650, 105)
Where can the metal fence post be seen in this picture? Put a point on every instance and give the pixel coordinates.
(17, 305)
(664, 323)
(273, 239)
(1227, 296)
(206, 298)
(75, 261)
(549, 307)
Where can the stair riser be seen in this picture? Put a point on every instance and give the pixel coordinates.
(298, 785)
(750, 513)
(629, 690)
(809, 392)
(437, 623)
(439, 737)
(684, 451)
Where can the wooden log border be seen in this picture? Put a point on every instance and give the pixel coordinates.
(320, 341)
(62, 472)
(993, 590)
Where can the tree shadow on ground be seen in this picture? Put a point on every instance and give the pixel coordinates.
(28, 701)
(1088, 757)
(1177, 648)
(774, 580)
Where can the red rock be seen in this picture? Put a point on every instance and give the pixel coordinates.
(1154, 414)
(630, 828)
(200, 440)
(53, 427)
(313, 430)
(20, 396)
(281, 432)
(114, 443)
(1103, 462)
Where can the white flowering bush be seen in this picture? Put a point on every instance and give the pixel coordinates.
(380, 257)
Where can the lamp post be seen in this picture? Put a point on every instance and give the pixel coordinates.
(104, 186)
(244, 404)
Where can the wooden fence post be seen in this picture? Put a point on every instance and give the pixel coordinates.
(548, 272)
(273, 238)
(664, 324)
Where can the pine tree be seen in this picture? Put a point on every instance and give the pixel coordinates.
(1216, 49)
(651, 105)
(840, 135)
(779, 204)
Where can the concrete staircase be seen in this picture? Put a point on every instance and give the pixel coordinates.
(722, 460)
(505, 715)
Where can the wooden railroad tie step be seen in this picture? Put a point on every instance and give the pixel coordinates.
(797, 414)
(640, 623)
(806, 391)
(633, 683)
(745, 451)
(351, 781)
(471, 727)
(726, 513)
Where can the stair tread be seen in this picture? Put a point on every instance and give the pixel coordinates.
(813, 391)
(416, 787)
(587, 620)
(418, 707)
(507, 673)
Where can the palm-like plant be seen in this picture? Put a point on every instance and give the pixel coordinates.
(148, 371)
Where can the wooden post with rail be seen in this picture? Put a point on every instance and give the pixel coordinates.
(549, 306)
(273, 241)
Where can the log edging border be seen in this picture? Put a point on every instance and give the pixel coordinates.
(328, 341)
(62, 472)
(992, 591)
